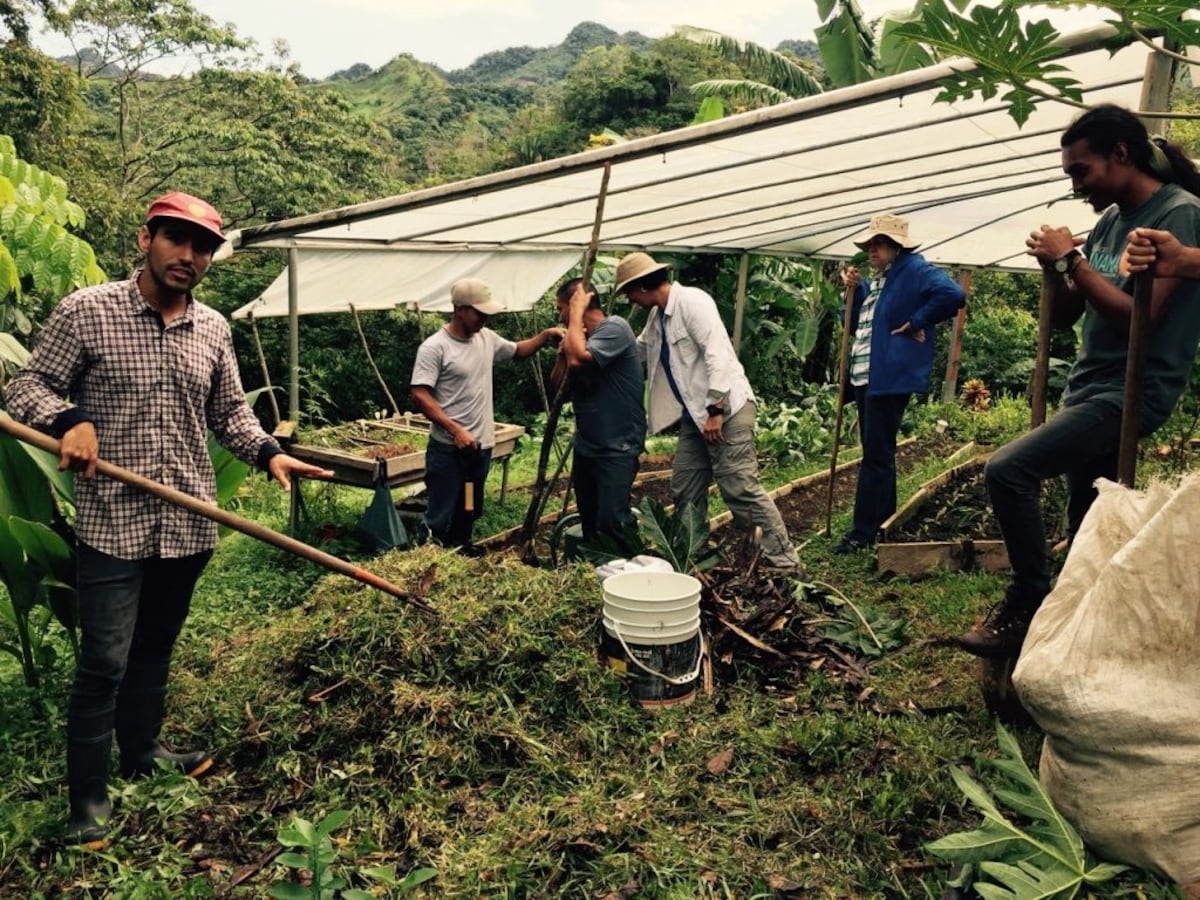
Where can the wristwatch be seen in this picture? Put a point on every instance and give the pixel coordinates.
(715, 410)
(1064, 264)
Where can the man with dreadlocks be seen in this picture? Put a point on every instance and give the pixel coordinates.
(1133, 182)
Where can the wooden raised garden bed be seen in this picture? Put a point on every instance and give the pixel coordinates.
(948, 524)
(355, 451)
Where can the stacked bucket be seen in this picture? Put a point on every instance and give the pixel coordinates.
(652, 634)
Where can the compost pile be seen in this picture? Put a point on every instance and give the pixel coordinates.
(777, 629)
(961, 510)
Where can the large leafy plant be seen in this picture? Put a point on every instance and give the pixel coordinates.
(1039, 854)
(680, 537)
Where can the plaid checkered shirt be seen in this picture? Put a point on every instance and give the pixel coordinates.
(152, 392)
(860, 353)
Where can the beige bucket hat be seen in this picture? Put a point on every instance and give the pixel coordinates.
(475, 293)
(634, 266)
(890, 226)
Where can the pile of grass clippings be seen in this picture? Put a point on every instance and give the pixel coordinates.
(491, 745)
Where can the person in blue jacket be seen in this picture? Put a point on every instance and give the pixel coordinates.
(892, 323)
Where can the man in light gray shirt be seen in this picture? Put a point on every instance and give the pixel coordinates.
(452, 387)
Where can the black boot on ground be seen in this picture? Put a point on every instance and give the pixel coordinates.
(87, 788)
(1003, 630)
(194, 763)
(140, 705)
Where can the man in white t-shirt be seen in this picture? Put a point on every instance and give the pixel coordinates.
(452, 387)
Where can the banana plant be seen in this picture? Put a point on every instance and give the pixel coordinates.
(853, 50)
(37, 556)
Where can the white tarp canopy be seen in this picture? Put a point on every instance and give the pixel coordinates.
(334, 279)
(796, 179)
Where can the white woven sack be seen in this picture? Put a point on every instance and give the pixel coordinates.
(1110, 670)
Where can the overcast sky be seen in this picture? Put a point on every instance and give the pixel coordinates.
(325, 36)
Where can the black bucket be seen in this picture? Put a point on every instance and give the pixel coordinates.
(657, 675)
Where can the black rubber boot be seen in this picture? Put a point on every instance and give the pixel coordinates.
(87, 788)
(140, 705)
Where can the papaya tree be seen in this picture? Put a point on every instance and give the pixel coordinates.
(1017, 60)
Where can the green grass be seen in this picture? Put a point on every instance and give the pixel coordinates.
(493, 747)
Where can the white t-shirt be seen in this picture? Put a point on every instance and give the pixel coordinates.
(459, 375)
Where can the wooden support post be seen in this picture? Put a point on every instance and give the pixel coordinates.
(1041, 362)
(950, 384)
(1135, 365)
(293, 335)
(739, 305)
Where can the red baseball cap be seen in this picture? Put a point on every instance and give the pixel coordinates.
(178, 205)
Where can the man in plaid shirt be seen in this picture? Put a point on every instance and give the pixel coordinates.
(143, 367)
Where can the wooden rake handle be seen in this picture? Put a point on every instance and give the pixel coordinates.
(215, 513)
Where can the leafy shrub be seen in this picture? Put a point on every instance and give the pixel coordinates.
(995, 341)
(804, 431)
(1005, 418)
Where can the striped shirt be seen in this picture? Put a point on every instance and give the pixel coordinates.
(152, 393)
(860, 353)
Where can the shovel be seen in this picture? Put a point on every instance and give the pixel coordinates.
(223, 517)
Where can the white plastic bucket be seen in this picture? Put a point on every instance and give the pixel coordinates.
(652, 607)
(640, 563)
(652, 634)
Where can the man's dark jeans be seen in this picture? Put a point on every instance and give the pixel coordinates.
(1080, 442)
(447, 471)
(875, 496)
(602, 488)
(130, 614)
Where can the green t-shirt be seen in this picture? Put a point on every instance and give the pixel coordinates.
(1099, 370)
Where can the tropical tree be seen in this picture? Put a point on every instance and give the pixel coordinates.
(1020, 58)
(38, 256)
(852, 50)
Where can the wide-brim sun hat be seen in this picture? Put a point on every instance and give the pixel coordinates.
(634, 266)
(475, 293)
(889, 226)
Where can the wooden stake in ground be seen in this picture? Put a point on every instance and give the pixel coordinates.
(371, 362)
(1041, 362)
(541, 488)
(223, 517)
(843, 378)
(262, 364)
(1135, 367)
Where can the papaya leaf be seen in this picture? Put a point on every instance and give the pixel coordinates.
(1045, 858)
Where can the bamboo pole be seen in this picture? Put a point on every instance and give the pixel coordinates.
(541, 489)
(843, 378)
(371, 361)
(262, 364)
(1135, 366)
(220, 516)
(1041, 362)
